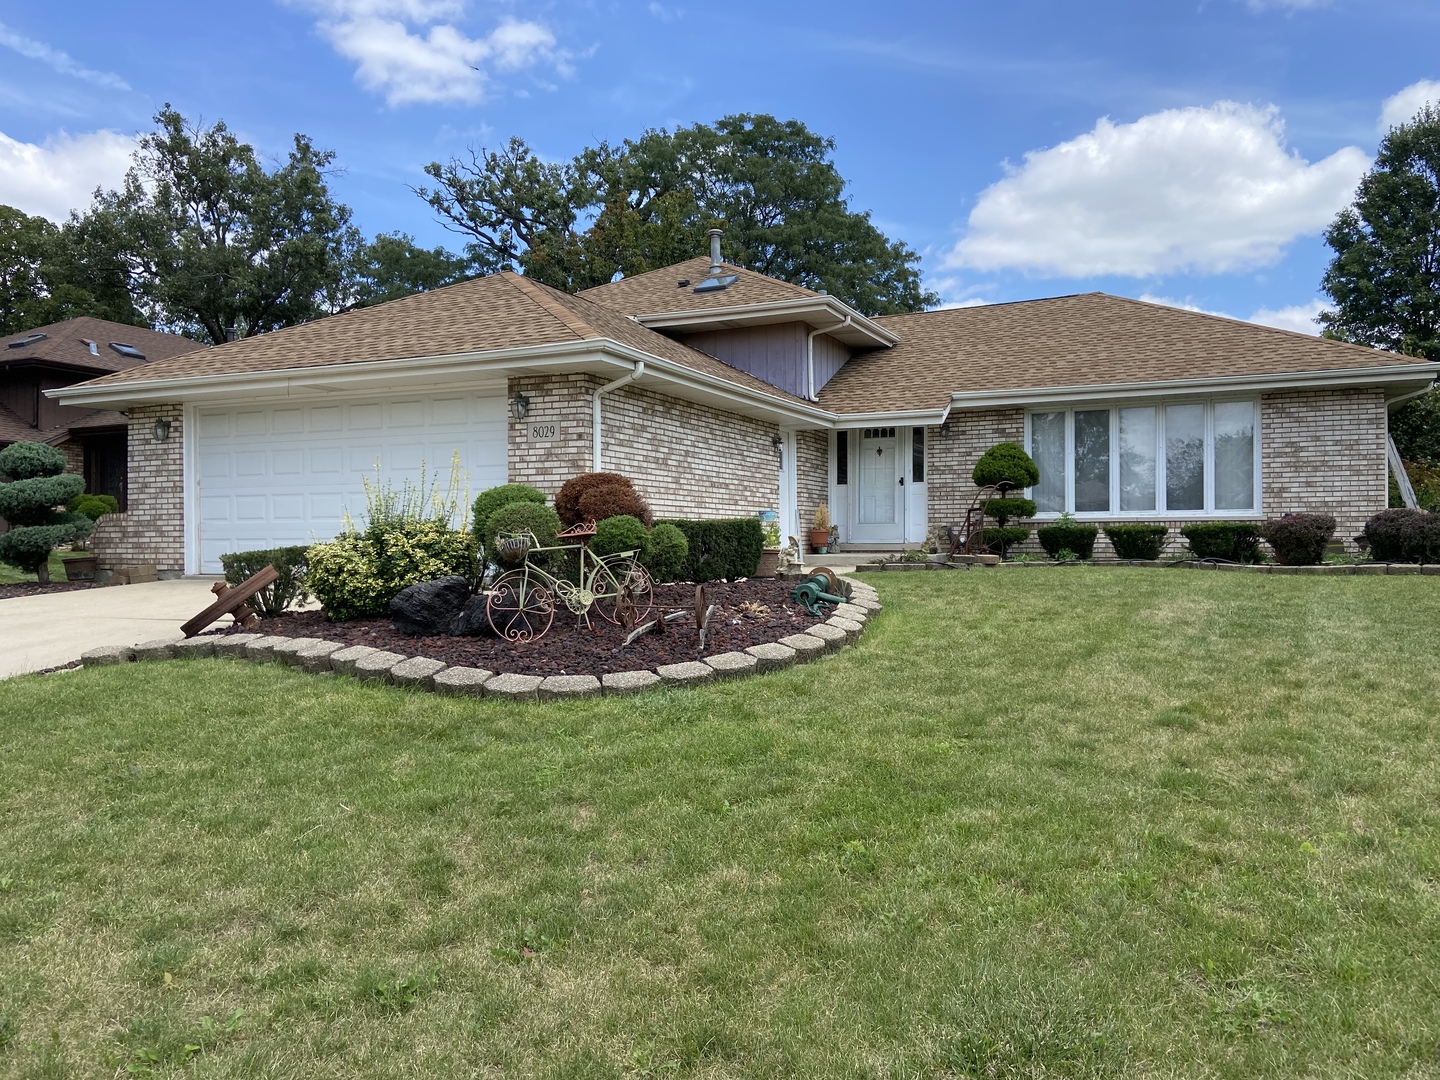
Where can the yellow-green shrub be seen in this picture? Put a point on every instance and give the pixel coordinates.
(357, 574)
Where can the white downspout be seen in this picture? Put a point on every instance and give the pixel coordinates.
(810, 355)
(595, 404)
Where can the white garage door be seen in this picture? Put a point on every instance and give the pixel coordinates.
(287, 474)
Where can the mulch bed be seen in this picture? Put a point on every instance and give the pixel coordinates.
(571, 650)
(34, 588)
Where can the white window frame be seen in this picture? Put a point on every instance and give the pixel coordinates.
(1159, 404)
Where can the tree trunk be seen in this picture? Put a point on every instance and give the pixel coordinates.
(42, 572)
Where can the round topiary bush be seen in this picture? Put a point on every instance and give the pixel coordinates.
(1072, 536)
(666, 552)
(567, 499)
(614, 500)
(1137, 541)
(620, 533)
(28, 504)
(1006, 465)
(487, 502)
(1004, 510)
(522, 517)
(95, 507)
(1001, 540)
(1400, 536)
(1299, 539)
(1231, 541)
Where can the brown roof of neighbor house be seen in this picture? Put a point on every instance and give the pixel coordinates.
(659, 290)
(67, 343)
(1085, 340)
(13, 429)
(500, 311)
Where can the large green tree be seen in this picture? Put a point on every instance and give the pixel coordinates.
(771, 184)
(48, 274)
(1385, 276)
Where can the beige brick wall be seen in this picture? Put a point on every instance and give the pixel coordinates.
(812, 453)
(153, 531)
(952, 458)
(688, 460)
(1323, 451)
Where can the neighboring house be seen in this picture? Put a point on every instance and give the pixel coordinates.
(723, 392)
(63, 354)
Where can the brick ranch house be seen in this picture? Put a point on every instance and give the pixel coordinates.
(62, 354)
(723, 392)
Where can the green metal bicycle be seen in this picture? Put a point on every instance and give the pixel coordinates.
(522, 602)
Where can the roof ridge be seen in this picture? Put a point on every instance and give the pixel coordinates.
(539, 292)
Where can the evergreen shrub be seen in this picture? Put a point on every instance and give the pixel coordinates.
(1137, 541)
(720, 550)
(1073, 536)
(1299, 539)
(288, 591)
(1403, 536)
(1233, 541)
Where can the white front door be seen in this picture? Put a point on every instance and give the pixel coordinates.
(880, 501)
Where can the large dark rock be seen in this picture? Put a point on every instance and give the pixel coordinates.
(427, 609)
(472, 620)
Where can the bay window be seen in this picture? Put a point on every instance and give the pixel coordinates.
(1182, 458)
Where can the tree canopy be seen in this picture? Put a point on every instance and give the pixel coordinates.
(771, 184)
(1385, 276)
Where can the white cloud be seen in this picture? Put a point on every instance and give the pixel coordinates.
(1302, 318)
(60, 174)
(407, 50)
(1207, 190)
(1401, 108)
(59, 61)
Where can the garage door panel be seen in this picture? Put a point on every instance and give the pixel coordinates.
(272, 477)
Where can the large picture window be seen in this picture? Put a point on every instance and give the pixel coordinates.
(1185, 458)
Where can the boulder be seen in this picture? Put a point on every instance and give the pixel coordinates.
(472, 621)
(427, 609)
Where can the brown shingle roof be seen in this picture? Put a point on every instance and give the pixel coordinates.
(658, 290)
(65, 343)
(501, 311)
(1086, 340)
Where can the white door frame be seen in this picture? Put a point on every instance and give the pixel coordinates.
(789, 488)
(891, 532)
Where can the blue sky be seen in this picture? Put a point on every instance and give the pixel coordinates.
(1184, 150)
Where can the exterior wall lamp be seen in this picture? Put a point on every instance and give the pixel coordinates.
(519, 406)
(945, 430)
(161, 430)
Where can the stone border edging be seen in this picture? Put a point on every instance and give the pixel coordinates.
(842, 629)
(1324, 569)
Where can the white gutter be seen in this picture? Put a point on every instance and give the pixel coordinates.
(638, 371)
(771, 311)
(810, 356)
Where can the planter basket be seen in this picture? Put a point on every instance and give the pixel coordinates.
(514, 549)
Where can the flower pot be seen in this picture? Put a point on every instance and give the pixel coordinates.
(769, 563)
(820, 539)
(80, 568)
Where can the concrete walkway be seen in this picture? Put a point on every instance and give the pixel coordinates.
(39, 632)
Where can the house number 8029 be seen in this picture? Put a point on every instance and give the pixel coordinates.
(544, 432)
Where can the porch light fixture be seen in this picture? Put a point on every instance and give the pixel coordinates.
(945, 430)
(161, 430)
(520, 406)
(776, 441)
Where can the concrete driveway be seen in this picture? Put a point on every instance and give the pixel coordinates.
(45, 631)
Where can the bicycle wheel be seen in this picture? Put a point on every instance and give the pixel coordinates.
(629, 594)
(518, 609)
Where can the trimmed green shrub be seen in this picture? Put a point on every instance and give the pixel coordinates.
(357, 574)
(28, 504)
(1001, 540)
(487, 502)
(1137, 541)
(1074, 536)
(665, 555)
(620, 533)
(1233, 541)
(1299, 539)
(720, 550)
(1005, 510)
(1401, 536)
(288, 590)
(1006, 463)
(95, 507)
(522, 517)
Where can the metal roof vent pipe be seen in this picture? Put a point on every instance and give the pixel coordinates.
(715, 261)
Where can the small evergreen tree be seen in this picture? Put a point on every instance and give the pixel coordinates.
(33, 505)
(1008, 467)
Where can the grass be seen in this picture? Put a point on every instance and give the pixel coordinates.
(1080, 823)
(11, 576)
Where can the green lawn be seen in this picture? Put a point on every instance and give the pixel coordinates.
(10, 576)
(1080, 822)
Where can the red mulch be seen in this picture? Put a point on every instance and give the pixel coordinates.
(34, 588)
(571, 650)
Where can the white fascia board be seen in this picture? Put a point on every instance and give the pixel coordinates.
(1401, 374)
(799, 307)
(903, 418)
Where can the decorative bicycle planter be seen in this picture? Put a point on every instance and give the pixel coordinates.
(522, 602)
